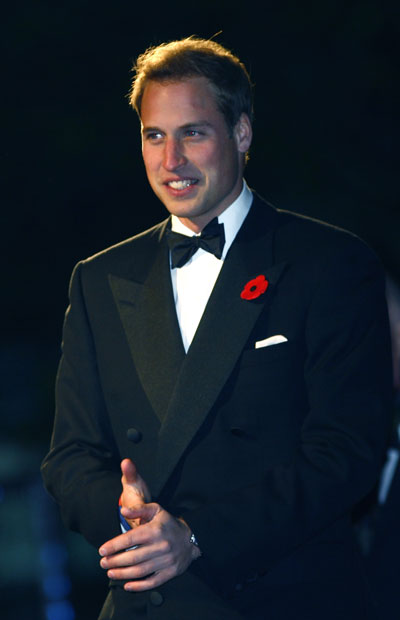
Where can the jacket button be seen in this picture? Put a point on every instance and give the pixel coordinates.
(156, 598)
(134, 435)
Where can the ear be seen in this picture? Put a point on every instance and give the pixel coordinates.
(243, 133)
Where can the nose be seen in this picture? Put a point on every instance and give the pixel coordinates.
(173, 155)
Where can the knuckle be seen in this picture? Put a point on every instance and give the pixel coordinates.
(165, 546)
(137, 572)
(131, 572)
(170, 561)
(169, 573)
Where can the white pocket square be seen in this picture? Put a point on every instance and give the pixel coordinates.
(271, 340)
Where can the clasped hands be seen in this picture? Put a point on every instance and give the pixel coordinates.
(163, 548)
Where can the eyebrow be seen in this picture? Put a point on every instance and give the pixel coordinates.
(181, 127)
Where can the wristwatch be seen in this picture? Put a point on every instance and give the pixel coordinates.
(193, 541)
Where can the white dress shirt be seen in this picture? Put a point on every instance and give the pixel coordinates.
(192, 284)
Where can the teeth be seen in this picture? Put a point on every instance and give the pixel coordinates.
(183, 184)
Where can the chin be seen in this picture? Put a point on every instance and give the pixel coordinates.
(181, 210)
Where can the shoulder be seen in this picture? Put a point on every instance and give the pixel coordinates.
(301, 237)
(128, 258)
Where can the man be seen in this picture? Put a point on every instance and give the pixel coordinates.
(245, 394)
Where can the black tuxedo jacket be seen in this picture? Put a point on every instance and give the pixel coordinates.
(263, 451)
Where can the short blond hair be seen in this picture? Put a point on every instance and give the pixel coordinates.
(196, 57)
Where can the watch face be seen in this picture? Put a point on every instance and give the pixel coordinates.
(193, 540)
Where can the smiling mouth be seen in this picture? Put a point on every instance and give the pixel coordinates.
(182, 183)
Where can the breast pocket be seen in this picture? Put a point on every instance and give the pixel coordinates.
(268, 389)
(265, 355)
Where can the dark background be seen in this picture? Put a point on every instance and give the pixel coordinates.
(326, 86)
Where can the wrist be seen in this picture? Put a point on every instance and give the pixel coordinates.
(193, 542)
(196, 551)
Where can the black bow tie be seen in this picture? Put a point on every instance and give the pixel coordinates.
(212, 239)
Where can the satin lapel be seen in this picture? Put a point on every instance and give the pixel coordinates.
(221, 336)
(148, 315)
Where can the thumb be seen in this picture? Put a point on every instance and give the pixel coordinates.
(129, 472)
(145, 512)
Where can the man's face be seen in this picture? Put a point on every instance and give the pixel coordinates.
(193, 164)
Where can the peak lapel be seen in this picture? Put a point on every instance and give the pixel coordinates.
(147, 311)
(221, 336)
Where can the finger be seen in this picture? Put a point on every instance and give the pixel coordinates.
(136, 504)
(132, 479)
(145, 512)
(142, 534)
(129, 472)
(133, 557)
(152, 581)
(140, 571)
(119, 543)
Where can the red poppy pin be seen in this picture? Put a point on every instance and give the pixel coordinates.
(254, 288)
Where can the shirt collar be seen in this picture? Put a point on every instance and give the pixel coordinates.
(232, 218)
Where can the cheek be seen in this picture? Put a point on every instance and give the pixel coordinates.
(226, 156)
(228, 167)
(151, 175)
(149, 160)
(207, 155)
(216, 167)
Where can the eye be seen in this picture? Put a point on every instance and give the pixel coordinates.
(153, 136)
(193, 133)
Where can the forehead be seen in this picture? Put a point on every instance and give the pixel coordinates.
(190, 98)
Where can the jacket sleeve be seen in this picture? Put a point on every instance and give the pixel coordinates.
(341, 445)
(81, 470)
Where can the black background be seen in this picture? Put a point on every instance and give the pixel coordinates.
(325, 144)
